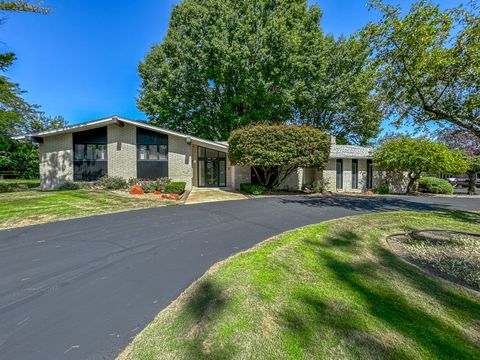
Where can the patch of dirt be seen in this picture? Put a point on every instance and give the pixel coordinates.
(452, 255)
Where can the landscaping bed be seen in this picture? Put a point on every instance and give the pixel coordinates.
(453, 255)
(329, 291)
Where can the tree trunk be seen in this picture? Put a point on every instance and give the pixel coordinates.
(411, 182)
(472, 177)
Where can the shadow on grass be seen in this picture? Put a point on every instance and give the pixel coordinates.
(204, 306)
(385, 302)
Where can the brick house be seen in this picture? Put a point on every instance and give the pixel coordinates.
(126, 148)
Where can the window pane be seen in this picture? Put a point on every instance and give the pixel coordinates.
(91, 152)
(339, 174)
(211, 153)
(152, 152)
(163, 152)
(222, 155)
(201, 152)
(79, 151)
(355, 174)
(142, 152)
(222, 181)
(101, 152)
(201, 172)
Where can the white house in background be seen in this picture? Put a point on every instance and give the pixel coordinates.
(116, 146)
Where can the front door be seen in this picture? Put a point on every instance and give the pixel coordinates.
(211, 173)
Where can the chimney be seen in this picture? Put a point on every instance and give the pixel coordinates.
(333, 140)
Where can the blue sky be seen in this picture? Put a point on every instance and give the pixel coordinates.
(81, 61)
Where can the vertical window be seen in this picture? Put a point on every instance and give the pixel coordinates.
(339, 174)
(369, 174)
(354, 174)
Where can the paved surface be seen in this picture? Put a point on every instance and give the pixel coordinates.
(81, 289)
(204, 195)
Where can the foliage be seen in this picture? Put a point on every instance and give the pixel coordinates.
(225, 64)
(463, 140)
(18, 158)
(12, 187)
(253, 189)
(417, 157)
(175, 188)
(381, 189)
(434, 185)
(69, 185)
(429, 63)
(111, 183)
(278, 150)
(318, 186)
(40, 122)
(14, 111)
(150, 186)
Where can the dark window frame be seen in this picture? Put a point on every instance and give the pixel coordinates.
(89, 169)
(148, 152)
(355, 174)
(369, 174)
(157, 167)
(339, 174)
(219, 158)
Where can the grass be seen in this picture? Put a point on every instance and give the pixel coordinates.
(35, 207)
(329, 291)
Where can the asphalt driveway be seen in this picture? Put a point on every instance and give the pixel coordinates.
(81, 289)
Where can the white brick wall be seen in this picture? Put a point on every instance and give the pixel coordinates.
(122, 151)
(56, 161)
(180, 166)
(240, 174)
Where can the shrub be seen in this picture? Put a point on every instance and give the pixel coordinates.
(150, 186)
(12, 187)
(69, 186)
(381, 189)
(175, 188)
(318, 186)
(253, 189)
(111, 183)
(434, 186)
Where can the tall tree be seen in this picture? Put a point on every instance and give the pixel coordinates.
(14, 110)
(469, 144)
(429, 63)
(228, 63)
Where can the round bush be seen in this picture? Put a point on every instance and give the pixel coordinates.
(434, 186)
(381, 189)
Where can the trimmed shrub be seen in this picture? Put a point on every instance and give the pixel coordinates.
(111, 183)
(175, 188)
(12, 187)
(434, 186)
(381, 189)
(253, 189)
(69, 186)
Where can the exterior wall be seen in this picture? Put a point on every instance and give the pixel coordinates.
(294, 181)
(396, 182)
(180, 165)
(330, 175)
(122, 151)
(194, 165)
(56, 161)
(239, 175)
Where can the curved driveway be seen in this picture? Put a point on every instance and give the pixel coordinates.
(81, 289)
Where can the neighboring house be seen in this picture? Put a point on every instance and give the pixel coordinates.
(129, 149)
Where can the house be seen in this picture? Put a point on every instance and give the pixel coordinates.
(126, 148)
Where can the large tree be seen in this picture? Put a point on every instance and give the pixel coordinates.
(429, 63)
(276, 151)
(418, 157)
(228, 63)
(14, 110)
(469, 144)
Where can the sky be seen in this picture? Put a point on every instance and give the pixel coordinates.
(81, 60)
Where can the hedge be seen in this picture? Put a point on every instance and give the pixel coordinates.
(434, 186)
(175, 188)
(253, 189)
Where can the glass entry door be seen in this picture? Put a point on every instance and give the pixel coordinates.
(211, 168)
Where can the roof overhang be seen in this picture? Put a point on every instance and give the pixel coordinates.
(119, 121)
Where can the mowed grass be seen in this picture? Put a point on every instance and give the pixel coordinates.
(36, 207)
(329, 291)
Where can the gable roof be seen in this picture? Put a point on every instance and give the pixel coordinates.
(119, 120)
(350, 152)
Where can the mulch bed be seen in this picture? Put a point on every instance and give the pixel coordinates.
(451, 255)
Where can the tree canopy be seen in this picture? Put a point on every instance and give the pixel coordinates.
(429, 63)
(225, 64)
(418, 157)
(276, 151)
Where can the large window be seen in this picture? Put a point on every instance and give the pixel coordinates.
(212, 168)
(370, 174)
(339, 178)
(90, 154)
(354, 174)
(152, 154)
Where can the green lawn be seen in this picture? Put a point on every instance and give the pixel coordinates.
(329, 291)
(35, 207)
